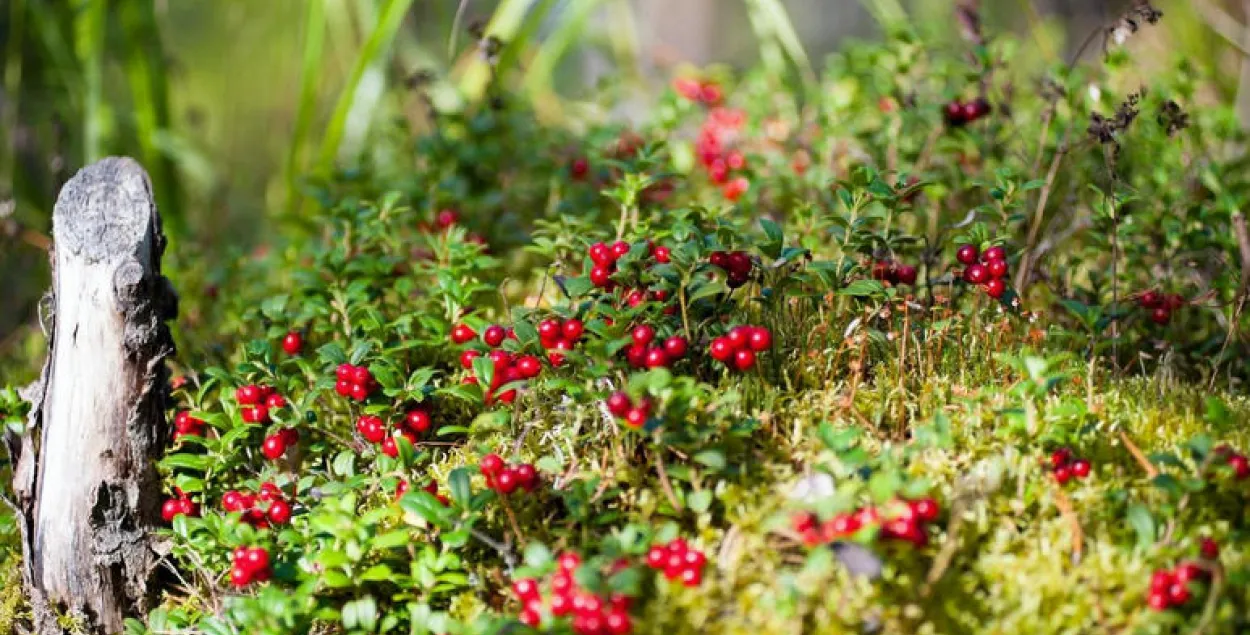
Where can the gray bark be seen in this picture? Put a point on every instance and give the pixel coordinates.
(88, 492)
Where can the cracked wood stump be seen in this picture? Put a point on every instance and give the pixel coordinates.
(85, 471)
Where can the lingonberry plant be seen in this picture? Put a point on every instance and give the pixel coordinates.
(776, 359)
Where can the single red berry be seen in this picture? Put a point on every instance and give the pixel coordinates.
(531, 618)
(618, 623)
(390, 446)
(169, 509)
(739, 336)
(569, 561)
(995, 288)
(636, 355)
(719, 259)
(643, 334)
(573, 329)
(744, 359)
(636, 417)
(926, 509)
(760, 339)
(232, 501)
(618, 403)
(1150, 299)
(418, 420)
(491, 465)
(1187, 572)
(292, 343)
(600, 276)
(691, 577)
(721, 349)
(976, 274)
(1210, 549)
(1158, 600)
(240, 576)
(657, 556)
(954, 113)
(656, 358)
(256, 559)
(493, 335)
(255, 414)
(461, 333)
(343, 387)
(967, 254)
(279, 512)
(1060, 457)
(467, 357)
(1080, 468)
(507, 481)
(527, 476)
(528, 366)
(1160, 315)
(1160, 580)
(1063, 474)
(1174, 301)
(906, 274)
(997, 268)
(446, 218)
(274, 447)
(734, 189)
(601, 254)
(675, 347)
(269, 492)
(619, 249)
(247, 395)
(1240, 465)
(1178, 593)
(501, 360)
(344, 372)
(662, 255)
(995, 253)
(525, 589)
(361, 376)
(578, 168)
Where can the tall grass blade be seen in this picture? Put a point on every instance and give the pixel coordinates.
(89, 30)
(505, 23)
(372, 55)
(777, 19)
(539, 78)
(311, 70)
(12, 91)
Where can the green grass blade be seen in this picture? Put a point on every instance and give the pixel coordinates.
(373, 53)
(311, 70)
(572, 28)
(505, 24)
(771, 54)
(89, 29)
(778, 19)
(12, 87)
(146, 73)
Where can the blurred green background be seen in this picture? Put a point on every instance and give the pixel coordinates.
(228, 102)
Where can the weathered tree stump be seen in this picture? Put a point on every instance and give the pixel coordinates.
(88, 493)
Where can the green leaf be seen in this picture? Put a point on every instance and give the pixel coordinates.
(863, 288)
(1143, 523)
(537, 555)
(458, 481)
(714, 459)
(700, 501)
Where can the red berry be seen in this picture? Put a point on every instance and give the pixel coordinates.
(256, 559)
(656, 358)
(573, 329)
(343, 387)
(995, 253)
(248, 395)
(491, 465)
(418, 420)
(739, 336)
(527, 476)
(169, 509)
(361, 376)
(997, 268)
(1060, 457)
(256, 414)
(1160, 315)
(721, 349)
(643, 334)
(461, 333)
(493, 335)
(240, 576)
(739, 263)
(528, 366)
(525, 589)
(692, 577)
(1080, 468)
(343, 372)
(390, 447)
(1210, 549)
(734, 189)
(549, 330)
(760, 339)
(744, 359)
(1158, 600)
(618, 622)
(578, 168)
(1174, 301)
(906, 274)
(1063, 474)
(1241, 467)
(636, 417)
(232, 501)
(954, 113)
(1187, 572)
(270, 492)
(1178, 593)
(530, 618)
(274, 447)
(967, 254)
(926, 509)
(619, 249)
(279, 512)
(292, 343)
(995, 288)
(662, 255)
(1160, 580)
(1150, 299)
(569, 561)
(976, 274)
(657, 556)
(601, 254)
(675, 347)
(719, 259)
(188, 508)
(618, 403)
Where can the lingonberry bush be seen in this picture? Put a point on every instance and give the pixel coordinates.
(932, 345)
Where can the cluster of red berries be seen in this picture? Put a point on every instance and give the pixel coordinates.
(257, 401)
(644, 352)
(1064, 467)
(557, 336)
(1171, 588)
(1235, 460)
(269, 506)
(508, 367)
(293, 343)
(355, 382)
(182, 504)
(591, 614)
(717, 154)
(702, 92)
(893, 272)
(907, 523)
(737, 348)
(989, 272)
(431, 487)
(276, 444)
(959, 112)
(506, 478)
(186, 425)
(737, 266)
(373, 429)
(622, 407)
(1160, 305)
(603, 259)
(678, 561)
(249, 565)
